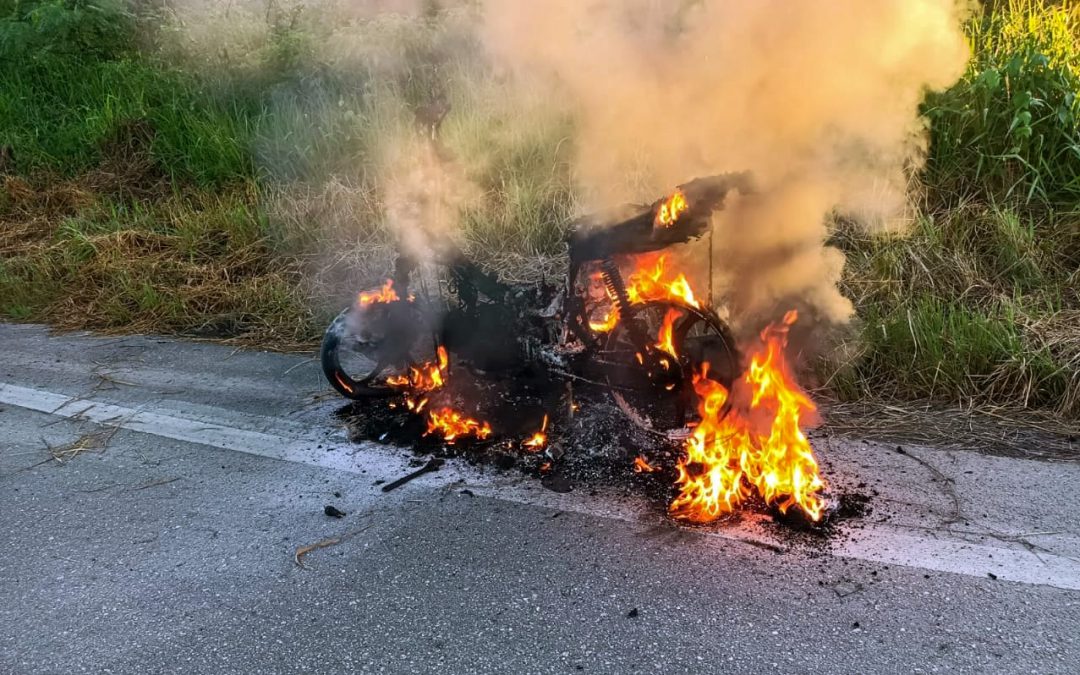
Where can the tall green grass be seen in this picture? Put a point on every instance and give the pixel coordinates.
(976, 304)
(1010, 129)
(980, 302)
(73, 76)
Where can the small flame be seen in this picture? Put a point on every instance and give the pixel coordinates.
(427, 377)
(648, 283)
(384, 294)
(671, 209)
(641, 465)
(728, 454)
(665, 340)
(539, 439)
(343, 383)
(451, 425)
(611, 319)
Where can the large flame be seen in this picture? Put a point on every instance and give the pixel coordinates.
(760, 444)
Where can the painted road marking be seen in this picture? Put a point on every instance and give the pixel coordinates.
(938, 551)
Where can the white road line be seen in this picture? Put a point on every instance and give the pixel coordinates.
(220, 433)
(876, 543)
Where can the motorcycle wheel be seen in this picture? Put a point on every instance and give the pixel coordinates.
(358, 368)
(665, 402)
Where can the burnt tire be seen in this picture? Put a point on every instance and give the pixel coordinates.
(357, 385)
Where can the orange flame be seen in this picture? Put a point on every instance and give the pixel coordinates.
(671, 209)
(343, 383)
(451, 425)
(665, 340)
(641, 465)
(649, 283)
(445, 421)
(763, 448)
(384, 294)
(611, 319)
(539, 439)
(427, 377)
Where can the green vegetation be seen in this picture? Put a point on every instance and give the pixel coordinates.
(164, 180)
(1010, 130)
(981, 302)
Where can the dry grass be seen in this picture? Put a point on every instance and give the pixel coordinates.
(96, 442)
(1006, 431)
(88, 253)
(977, 305)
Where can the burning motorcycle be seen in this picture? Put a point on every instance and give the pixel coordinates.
(619, 319)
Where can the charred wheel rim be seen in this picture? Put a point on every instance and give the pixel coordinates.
(651, 402)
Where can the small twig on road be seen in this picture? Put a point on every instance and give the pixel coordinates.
(1025, 535)
(304, 550)
(105, 377)
(330, 541)
(302, 363)
(28, 468)
(103, 488)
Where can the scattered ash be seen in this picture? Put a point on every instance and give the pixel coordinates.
(590, 444)
(852, 505)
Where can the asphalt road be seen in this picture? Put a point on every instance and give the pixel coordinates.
(163, 540)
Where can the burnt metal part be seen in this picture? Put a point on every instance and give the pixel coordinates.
(614, 282)
(433, 464)
(593, 239)
(493, 327)
(598, 238)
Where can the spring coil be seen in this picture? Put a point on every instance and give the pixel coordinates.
(613, 281)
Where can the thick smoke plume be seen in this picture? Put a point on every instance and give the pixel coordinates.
(818, 99)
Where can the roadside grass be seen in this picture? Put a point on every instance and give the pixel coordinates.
(1009, 131)
(191, 262)
(60, 113)
(980, 303)
(229, 180)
